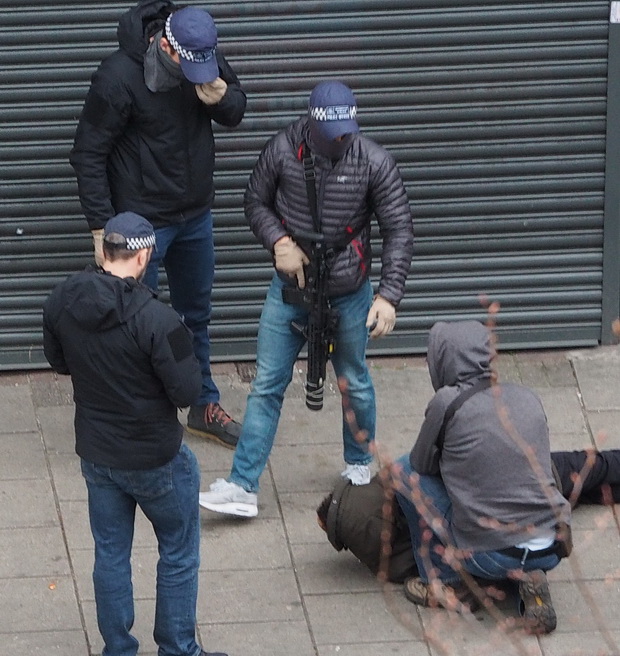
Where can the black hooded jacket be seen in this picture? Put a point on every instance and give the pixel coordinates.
(495, 461)
(131, 363)
(150, 153)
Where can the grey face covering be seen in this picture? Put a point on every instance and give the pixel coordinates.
(321, 145)
(161, 72)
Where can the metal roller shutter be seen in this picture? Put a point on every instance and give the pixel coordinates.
(495, 111)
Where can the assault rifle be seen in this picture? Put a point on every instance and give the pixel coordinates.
(320, 328)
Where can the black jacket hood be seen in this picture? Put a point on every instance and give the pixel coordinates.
(100, 301)
(458, 352)
(139, 23)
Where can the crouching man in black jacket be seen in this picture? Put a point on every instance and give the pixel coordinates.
(131, 362)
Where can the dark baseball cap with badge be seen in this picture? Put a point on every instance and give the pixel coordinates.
(130, 231)
(193, 35)
(333, 109)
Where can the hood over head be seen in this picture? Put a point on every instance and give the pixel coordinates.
(458, 352)
(137, 25)
(99, 301)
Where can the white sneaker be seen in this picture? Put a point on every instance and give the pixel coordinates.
(230, 499)
(357, 474)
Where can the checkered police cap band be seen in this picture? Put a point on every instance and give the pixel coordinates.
(197, 56)
(130, 243)
(334, 113)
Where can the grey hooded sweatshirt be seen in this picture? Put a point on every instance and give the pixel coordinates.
(495, 461)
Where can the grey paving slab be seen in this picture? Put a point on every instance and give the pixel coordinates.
(258, 638)
(33, 552)
(25, 457)
(360, 617)
(409, 648)
(596, 556)
(17, 409)
(67, 477)
(605, 427)
(585, 643)
(307, 468)
(570, 441)
(598, 375)
(587, 605)
(242, 544)
(38, 604)
(299, 513)
(563, 409)
(47, 643)
(27, 503)
(321, 569)
(57, 428)
(260, 596)
(50, 389)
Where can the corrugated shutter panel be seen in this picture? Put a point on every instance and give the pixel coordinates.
(495, 112)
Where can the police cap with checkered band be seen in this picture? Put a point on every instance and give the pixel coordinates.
(129, 230)
(193, 35)
(333, 108)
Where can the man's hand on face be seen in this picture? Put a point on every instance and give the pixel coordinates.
(210, 93)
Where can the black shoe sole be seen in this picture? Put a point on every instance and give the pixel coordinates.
(211, 436)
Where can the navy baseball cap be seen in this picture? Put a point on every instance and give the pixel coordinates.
(129, 230)
(333, 108)
(192, 33)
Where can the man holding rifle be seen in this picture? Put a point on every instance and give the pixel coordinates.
(310, 201)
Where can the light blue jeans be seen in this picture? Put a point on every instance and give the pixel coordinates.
(188, 255)
(277, 351)
(490, 565)
(168, 496)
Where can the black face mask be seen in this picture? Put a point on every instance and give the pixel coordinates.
(321, 145)
(161, 72)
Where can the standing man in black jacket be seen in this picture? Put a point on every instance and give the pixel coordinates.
(145, 144)
(131, 363)
(354, 179)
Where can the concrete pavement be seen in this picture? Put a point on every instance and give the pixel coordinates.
(273, 586)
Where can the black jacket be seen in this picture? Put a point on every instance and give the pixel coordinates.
(363, 183)
(151, 153)
(131, 363)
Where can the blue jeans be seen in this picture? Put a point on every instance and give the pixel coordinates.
(277, 351)
(168, 496)
(491, 565)
(188, 255)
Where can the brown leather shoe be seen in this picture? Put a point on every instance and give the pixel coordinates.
(437, 594)
(214, 423)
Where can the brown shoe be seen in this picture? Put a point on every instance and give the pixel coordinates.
(214, 423)
(536, 606)
(434, 595)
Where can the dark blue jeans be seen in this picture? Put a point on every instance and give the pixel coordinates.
(168, 496)
(432, 495)
(188, 255)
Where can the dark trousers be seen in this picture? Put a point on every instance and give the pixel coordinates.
(598, 476)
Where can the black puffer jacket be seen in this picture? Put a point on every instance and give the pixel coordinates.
(151, 153)
(131, 362)
(365, 182)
